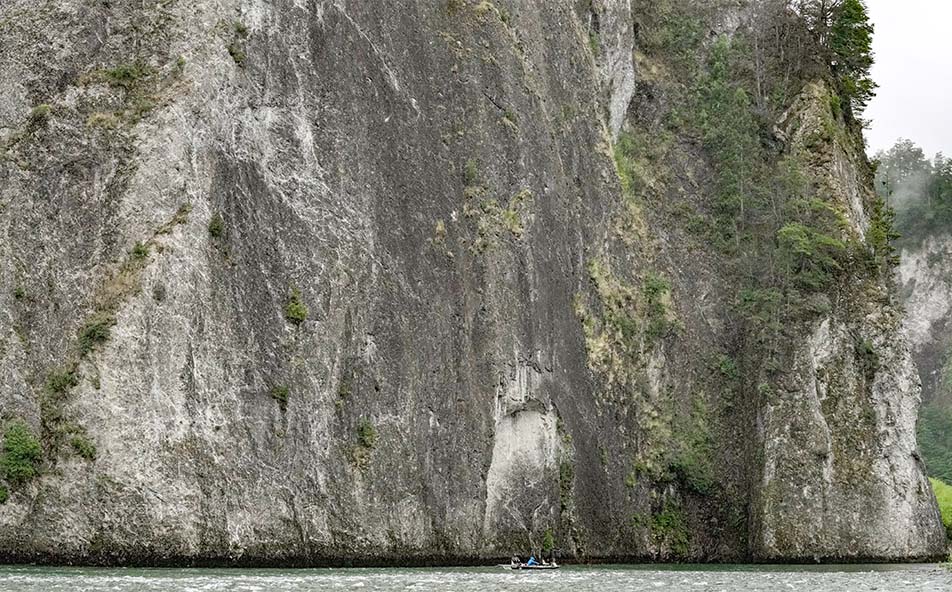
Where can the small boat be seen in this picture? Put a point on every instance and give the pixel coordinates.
(552, 565)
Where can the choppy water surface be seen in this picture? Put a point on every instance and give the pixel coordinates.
(913, 578)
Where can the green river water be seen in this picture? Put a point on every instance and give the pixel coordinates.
(854, 578)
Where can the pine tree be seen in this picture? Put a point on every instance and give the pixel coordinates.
(851, 40)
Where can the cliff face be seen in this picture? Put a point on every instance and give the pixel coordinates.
(925, 275)
(383, 281)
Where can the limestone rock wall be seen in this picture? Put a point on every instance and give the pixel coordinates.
(341, 281)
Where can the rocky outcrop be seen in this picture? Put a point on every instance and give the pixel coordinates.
(924, 274)
(336, 281)
(841, 462)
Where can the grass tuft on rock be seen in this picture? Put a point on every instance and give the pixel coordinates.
(126, 76)
(281, 394)
(83, 447)
(216, 226)
(40, 115)
(295, 310)
(366, 434)
(95, 332)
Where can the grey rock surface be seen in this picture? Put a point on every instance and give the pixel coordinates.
(348, 256)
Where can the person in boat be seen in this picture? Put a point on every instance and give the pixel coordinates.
(532, 561)
(515, 561)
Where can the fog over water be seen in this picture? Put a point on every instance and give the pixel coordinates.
(913, 47)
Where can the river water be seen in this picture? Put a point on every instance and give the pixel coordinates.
(905, 578)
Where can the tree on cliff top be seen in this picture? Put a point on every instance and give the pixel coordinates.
(851, 41)
(845, 36)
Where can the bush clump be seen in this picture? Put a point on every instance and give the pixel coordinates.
(216, 226)
(548, 541)
(84, 447)
(366, 434)
(58, 382)
(361, 452)
(126, 76)
(40, 115)
(281, 395)
(295, 311)
(95, 332)
(140, 251)
(21, 453)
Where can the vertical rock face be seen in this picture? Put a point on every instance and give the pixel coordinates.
(337, 281)
(925, 276)
(842, 475)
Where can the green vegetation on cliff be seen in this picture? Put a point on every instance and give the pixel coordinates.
(935, 440)
(295, 311)
(943, 494)
(21, 454)
(918, 189)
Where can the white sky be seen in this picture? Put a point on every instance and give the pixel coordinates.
(913, 46)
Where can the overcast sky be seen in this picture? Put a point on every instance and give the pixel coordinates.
(913, 46)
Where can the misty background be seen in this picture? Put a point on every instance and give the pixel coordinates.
(912, 46)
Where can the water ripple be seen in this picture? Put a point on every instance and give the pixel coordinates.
(914, 578)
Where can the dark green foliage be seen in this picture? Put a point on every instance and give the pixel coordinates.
(669, 528)
(851, 41)
(19, 293)
(58, 383)
(566, 480)
(919, 190)
(4, 494)
(95, 332)
(237, 53)
(626, 152)
(236, 49)
(943, 495)
(471, 172)
(548, 542)
(655, 290)
(761, 308)
(21, 453)
(366, 434)
(881, 254)
(216, 226)
(727, 367)
(691, 463)
(935, 440)
(360, 454)
(723, 114)
(83, 446)
(295, 311)
(811, 257)
(281, 395)
(672, 29)
(126, 76)
(40, 115)
(140, 251)
(867, 357)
